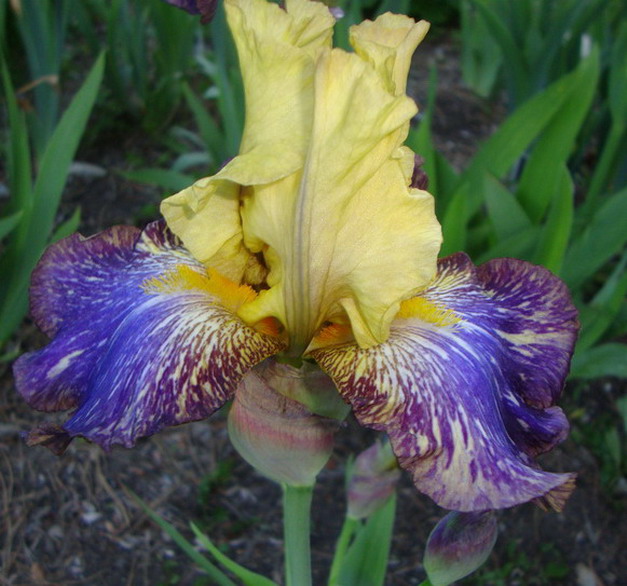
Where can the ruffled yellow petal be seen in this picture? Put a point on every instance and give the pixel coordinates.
(388, 44)
(348, 236)
(320, 188)
(206, 217)
(277, 50)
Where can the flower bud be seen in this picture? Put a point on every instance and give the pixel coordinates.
(277, 435)
(373, 480)
(458, 545)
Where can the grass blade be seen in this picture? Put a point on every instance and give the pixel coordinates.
(212, 571)
(248, 577)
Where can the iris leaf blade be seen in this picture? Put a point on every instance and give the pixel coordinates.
(499, 153)
(248, 577)
(9, 223)
(221, 579)
(598, 242)
(556, 230)
(367, 558)
(168, 179)
(543, 175)
(604, 360)
(506, 214)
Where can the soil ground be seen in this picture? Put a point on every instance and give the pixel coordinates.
(72, 520)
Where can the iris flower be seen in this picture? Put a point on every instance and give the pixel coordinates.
(312, 244)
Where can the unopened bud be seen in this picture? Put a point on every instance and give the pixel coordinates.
(373, 481)
(277, 435)
(458, 545)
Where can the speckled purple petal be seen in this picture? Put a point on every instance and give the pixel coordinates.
(467, 405)
(129, 362)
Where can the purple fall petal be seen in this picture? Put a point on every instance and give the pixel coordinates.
(129, 361)
(467, 405)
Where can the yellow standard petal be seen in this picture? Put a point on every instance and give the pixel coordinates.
(347, 237)
(277, 50)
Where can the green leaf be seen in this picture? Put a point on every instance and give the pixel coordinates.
(499, 153)
(246, 576)
(68, 227)
(600, 240)
(506, 214)
(604, 360)
(617, 83)
(32, 234)
(18, 153)
(481, 55)
(211, 133)
(8, 224)
(518, 245)
(612, 148)
(212, 571)
(602, 312)
(366, 561)
(420, 139)
(165, 178)
(59, 153)
(556, 231)
(543, 172)
(517, 69)
(455, 223)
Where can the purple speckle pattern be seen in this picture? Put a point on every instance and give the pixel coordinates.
(128, 362)
(468, 405)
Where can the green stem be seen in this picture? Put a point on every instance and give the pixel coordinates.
(296, 529)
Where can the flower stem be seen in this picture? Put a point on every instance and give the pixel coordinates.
(296, 529)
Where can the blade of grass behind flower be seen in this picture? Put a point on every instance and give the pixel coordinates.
(542, 176)
(557, 228)
(604, 360)
(19, 167)
(506, 214)
(169, 180)
(518, 245)
(12, 273)
(211, 570)
(68, 227)
(229, 82)
(420, 139)
(248, 577)
(31, 236)
(501, 151)
(604, 235)
(617, 90)
(212, 135)
(9, 223)
(601, 313)
(516, 73)
(455, 223)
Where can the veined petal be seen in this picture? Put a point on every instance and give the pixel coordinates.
(349, 236)
(277, 50)
(466, 382)
(389, 43)
(206, 216)
(133, 350)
